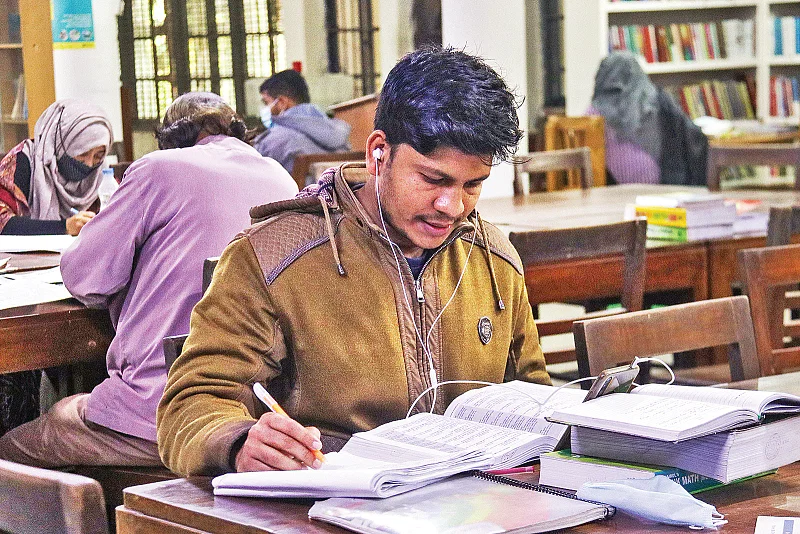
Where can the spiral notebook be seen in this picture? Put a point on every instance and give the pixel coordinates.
(475, 503)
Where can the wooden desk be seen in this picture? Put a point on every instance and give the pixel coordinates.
(53, 333)
(705, 269)
(188, 505)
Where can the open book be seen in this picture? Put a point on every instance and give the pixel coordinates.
(488, 428)
(474, 504)
(675, 413)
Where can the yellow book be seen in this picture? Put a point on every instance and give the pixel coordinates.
(663, 216)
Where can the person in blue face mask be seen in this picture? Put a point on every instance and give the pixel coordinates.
(293, 125)
(49, 183)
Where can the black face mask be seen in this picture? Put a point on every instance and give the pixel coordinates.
(73, 170)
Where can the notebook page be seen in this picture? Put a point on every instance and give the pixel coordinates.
(751, 400)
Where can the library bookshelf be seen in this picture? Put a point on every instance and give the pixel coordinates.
(589, 33)
(25, 47)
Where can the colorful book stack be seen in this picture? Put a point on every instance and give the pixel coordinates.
(699, 433)
(685, 216)
(723, 99)
(700, 41)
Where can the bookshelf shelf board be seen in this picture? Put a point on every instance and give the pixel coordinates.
(10, 46)
(783, 121)
(698, 66)
(784, 60)
(676, 5)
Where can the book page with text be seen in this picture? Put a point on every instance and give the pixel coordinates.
(431, 432)
(756, 401)
(512, 405)
(655, 417)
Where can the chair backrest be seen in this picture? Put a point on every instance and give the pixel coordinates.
(784, 222)
(575, 251)
(302, 163)
(554, 160)
(608, 341)
(173, 346)
(209, 264)
(721, 156)
(41, 500)
(573, 132)
(766, 274)
(359, 113)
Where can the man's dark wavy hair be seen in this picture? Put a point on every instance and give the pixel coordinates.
(445, 97)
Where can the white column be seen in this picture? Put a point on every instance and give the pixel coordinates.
(93, 74)
(496, 31)
(583, 50)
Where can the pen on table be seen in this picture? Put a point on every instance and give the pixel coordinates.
(513, 470)
(264, 396)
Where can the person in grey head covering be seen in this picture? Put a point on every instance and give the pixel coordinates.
(648, 137)
(48, 183)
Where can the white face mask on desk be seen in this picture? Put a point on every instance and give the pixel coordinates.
(657, 499)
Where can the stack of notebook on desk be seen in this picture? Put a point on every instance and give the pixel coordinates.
(721, 434)
(685, 216)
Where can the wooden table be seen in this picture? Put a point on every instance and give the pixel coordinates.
(188, 505)
(702, 269)
(51, 334)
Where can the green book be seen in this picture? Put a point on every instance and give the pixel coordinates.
(563, 469)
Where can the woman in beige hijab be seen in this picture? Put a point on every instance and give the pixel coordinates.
(48, 183)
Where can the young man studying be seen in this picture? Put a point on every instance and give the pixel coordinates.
(352, 299)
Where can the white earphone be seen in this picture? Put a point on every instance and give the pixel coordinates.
(377, 153)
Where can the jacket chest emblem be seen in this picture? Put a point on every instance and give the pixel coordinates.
(485, 330)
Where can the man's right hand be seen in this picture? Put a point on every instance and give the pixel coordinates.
(277, 442)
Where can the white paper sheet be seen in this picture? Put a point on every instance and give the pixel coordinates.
(35, 243)
(15, 293)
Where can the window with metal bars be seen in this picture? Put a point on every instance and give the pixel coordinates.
(553, 52)
(352, 40)
(169, 47)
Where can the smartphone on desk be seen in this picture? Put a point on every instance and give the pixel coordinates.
(614, 380)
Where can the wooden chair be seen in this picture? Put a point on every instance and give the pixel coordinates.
(41, 500)
(302, 163)
(610, 341)
(359, 113)
(573, 132)
(554, 160)
(784, 222)
(580, 276)
(721, 156)
(766, 274)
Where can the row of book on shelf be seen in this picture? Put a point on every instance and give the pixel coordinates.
(723, 99)
(784, 96)
(786, 35)
(656, 43)
(701, 437)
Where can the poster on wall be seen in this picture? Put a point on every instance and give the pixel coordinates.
(73, 26)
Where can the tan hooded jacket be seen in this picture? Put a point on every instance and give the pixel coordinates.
(309, 302)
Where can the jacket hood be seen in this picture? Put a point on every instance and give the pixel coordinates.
(330, 134)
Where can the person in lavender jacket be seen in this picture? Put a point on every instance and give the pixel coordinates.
(142, 258)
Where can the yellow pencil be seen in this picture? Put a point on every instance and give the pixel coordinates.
(268, 400)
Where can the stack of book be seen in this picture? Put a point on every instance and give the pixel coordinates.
(698, 433)
(685, 216)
